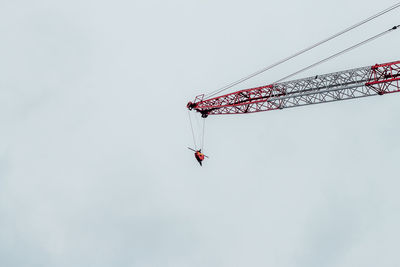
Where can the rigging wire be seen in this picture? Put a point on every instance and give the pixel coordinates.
(191, 126)
(339, 53)
(204, 126)
(193, 134)
(304, 50)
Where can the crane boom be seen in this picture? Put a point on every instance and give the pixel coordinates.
(379, 79)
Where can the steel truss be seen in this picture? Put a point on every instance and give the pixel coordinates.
(379, 79)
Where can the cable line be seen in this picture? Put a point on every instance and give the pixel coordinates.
(204, 126)
(339, 53)
(304, 50)
(191, 126)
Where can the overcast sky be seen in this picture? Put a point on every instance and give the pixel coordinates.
(94, 169)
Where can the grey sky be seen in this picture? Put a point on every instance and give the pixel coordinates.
(94, 169)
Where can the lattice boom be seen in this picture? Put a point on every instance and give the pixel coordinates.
(367, 81)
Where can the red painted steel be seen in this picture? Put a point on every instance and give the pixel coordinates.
(367, 81)
(385, 78)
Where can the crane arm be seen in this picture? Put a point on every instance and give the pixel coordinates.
(361, 82)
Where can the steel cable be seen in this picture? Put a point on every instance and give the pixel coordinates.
(302, 51)
(204, 126)
(191, 126)
(339, 53)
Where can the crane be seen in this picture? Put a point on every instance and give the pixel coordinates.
(378, 79)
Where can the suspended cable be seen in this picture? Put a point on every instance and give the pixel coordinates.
(191, 126)
(339, 53)
(303, 51)
(204, 126)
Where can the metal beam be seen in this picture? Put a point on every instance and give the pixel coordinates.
(361, 82)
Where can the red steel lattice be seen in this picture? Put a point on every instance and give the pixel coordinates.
(367, 81)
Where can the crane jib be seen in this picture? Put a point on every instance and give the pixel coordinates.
(379, 79)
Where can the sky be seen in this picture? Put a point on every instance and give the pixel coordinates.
(94, 165)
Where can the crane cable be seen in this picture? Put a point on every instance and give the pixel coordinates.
(202, 137)
(302, 51)
(191, 126)
(339, 53)
(193, 134)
